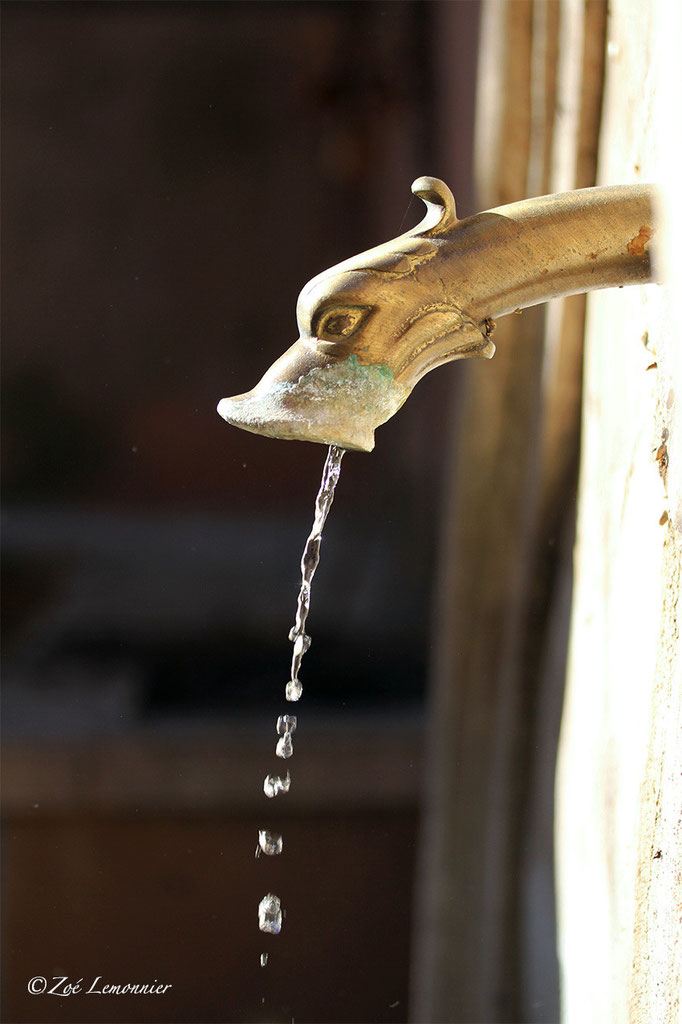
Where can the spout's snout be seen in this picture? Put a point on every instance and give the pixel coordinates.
(306, 396)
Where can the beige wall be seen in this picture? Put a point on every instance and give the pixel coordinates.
(619, 786)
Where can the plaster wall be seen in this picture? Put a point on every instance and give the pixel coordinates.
(619, 783)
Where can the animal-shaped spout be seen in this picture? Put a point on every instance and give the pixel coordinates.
(372, 326)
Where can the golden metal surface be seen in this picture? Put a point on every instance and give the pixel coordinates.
(372, 326)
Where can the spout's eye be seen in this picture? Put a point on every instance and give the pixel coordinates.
(340, 322)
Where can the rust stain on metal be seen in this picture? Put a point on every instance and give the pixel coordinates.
(636, 245)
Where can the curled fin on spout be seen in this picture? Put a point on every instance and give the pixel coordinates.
(441, 215)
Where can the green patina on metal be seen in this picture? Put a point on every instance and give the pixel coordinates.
(382, 368)
(340, 403)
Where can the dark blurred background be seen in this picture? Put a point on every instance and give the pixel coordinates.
(173, 175)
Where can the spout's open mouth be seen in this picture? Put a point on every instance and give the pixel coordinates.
(331, 402)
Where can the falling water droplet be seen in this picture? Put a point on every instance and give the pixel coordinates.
(275, 784)
(285, 724)
(269, 842)
(263, 959)
(285, 745)
(270, 914)
(293, 689)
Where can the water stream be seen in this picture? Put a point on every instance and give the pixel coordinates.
(309, 561)
(270, 913)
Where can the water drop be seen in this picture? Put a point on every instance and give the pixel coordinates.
(263, 959)
(285, 745)
(269, 842)
(270, 914)
(293, 689)
(286, 723)
(275, 784)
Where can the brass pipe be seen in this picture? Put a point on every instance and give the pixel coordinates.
(372, 326)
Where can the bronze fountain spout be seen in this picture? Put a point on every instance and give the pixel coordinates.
(372, 326)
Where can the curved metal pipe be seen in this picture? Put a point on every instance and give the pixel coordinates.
(372, 326)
